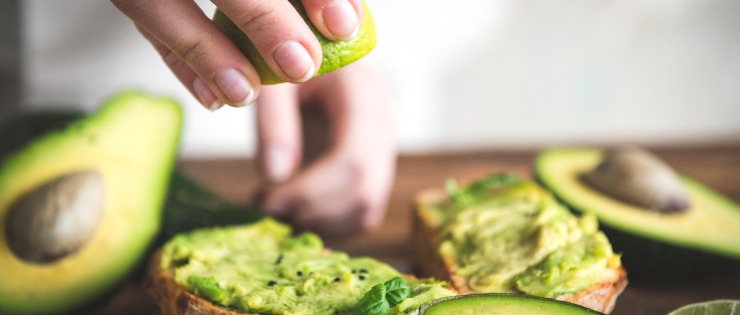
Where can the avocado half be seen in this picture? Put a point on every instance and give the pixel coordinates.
(129, 147)
(504, 304)
(702, 240)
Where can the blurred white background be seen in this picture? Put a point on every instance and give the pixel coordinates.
(472, 74)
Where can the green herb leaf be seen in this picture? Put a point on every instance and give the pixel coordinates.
(467, 195)
(396, 290)
(373, 302)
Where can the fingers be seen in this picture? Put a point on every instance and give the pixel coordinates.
(279, 34)
(335, 19)
(180, 30)
(325, 198)
(182, 71)
(346, 188)
(278, 129)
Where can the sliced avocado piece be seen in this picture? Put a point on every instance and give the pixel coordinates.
(114, 164)
(189, 204)
(700, 240)
(504, 304)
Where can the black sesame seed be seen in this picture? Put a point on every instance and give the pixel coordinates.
(362, 277)
(336, 279)
(354, 271)
(300, 274)
(271, 283)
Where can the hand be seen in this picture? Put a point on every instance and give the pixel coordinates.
(213, 68)
(345, 188)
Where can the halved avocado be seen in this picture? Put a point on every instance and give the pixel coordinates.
(499, 303)
(79, 207)
(703, 239)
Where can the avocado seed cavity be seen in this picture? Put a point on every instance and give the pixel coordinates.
(633, 175)
(57, 218)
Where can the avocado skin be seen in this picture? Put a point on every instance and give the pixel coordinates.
(649, 259)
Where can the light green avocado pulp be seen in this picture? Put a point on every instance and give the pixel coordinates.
(262, 268)
(504, 304)
(513, 236)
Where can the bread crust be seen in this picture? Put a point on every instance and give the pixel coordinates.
(429, 263)
(174, 299)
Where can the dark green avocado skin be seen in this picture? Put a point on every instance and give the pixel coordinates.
(649, 259)
(645, 258)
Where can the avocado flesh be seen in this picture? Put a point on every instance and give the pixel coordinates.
(504, 234)
(263, 268)
(131, 142)
(708, 227)
(494, 304)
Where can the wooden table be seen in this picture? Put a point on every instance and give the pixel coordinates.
(718, 166)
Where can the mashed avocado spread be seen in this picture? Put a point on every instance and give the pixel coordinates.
(262, 268)
(509, 235)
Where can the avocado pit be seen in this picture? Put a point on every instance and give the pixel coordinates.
(636, 176)
(56, 219)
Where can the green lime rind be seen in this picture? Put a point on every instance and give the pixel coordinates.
(715, 307)
(336, 54)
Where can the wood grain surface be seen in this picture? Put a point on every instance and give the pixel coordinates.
(237, 180)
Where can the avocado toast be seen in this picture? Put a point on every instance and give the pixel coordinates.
(504, 234)
(261, 268)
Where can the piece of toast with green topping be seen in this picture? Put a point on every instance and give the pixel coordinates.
(504, 234)
(173, 298)
(262, 268)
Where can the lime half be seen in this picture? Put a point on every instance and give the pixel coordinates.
(716, 307)
(336, 54)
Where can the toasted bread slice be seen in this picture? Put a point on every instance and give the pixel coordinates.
(601, 296)
(174, 299)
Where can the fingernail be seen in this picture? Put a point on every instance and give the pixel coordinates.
(215, 106)
(341, 20)
(205, 96)
(295, 61)
(277, 164)
(235, 87)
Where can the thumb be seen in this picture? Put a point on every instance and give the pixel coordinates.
(278, 128)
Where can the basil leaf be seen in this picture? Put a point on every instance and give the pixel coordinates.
(373, 302)
(396, 290)
(467, 195)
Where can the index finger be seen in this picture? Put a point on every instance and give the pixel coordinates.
(280, 35)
